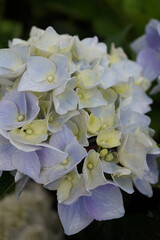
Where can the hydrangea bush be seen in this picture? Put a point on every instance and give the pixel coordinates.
(72, 117)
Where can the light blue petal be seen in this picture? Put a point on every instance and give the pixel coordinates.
(133, 151)
(105, 203)
(27, 163)
(62, 138)
(18, 98)
(126, 70)
(139, 44)
(6, 153)
(66, 101)
(131, 120)
(109, 167)
(11, 65)
(152, 34)
(108, 78)
(124, 182)
(8, 115)
(76, 153)
(143, 186)
(25, 104)
(152, 175)
(23, 51)
(9, 58)
(7, 73)
(74, 217)
(32, 106)
(39, 68)
(149, 59)
(61, 62)
(136, 104)
(95, 98)
(27, 83)
(50, 156)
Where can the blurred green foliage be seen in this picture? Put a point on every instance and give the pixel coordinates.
(120, 21)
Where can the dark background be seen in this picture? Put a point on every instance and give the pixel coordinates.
(118, 21)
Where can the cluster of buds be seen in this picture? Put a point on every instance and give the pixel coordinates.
(72, 117)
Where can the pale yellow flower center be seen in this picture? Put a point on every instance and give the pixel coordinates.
(65, 162)
(90, 166)
(50, 78)
(109, 157)
(29, 131)
(69, 178)
(20, 118)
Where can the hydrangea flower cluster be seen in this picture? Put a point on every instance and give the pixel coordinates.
(147, 48)
(72, 117)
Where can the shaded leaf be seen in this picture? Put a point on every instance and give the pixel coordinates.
(6, 184)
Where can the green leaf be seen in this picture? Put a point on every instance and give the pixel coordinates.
(6, 184)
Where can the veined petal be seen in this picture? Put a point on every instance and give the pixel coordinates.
(152, 34)
(149, 59)
(10, 59)
(49, 156)
(11, 65)
(8, 115)
(18, 98)
(6, 152)
(126, 70)
(124, 181)
(108, 78)
(27, 163)
(133, 151)
(67, 101)
(32, 106)
(74, 217)
(105, 203)
(76, 153)
(131, 120)
(143, 186)
(62, 138)
(39, 68)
